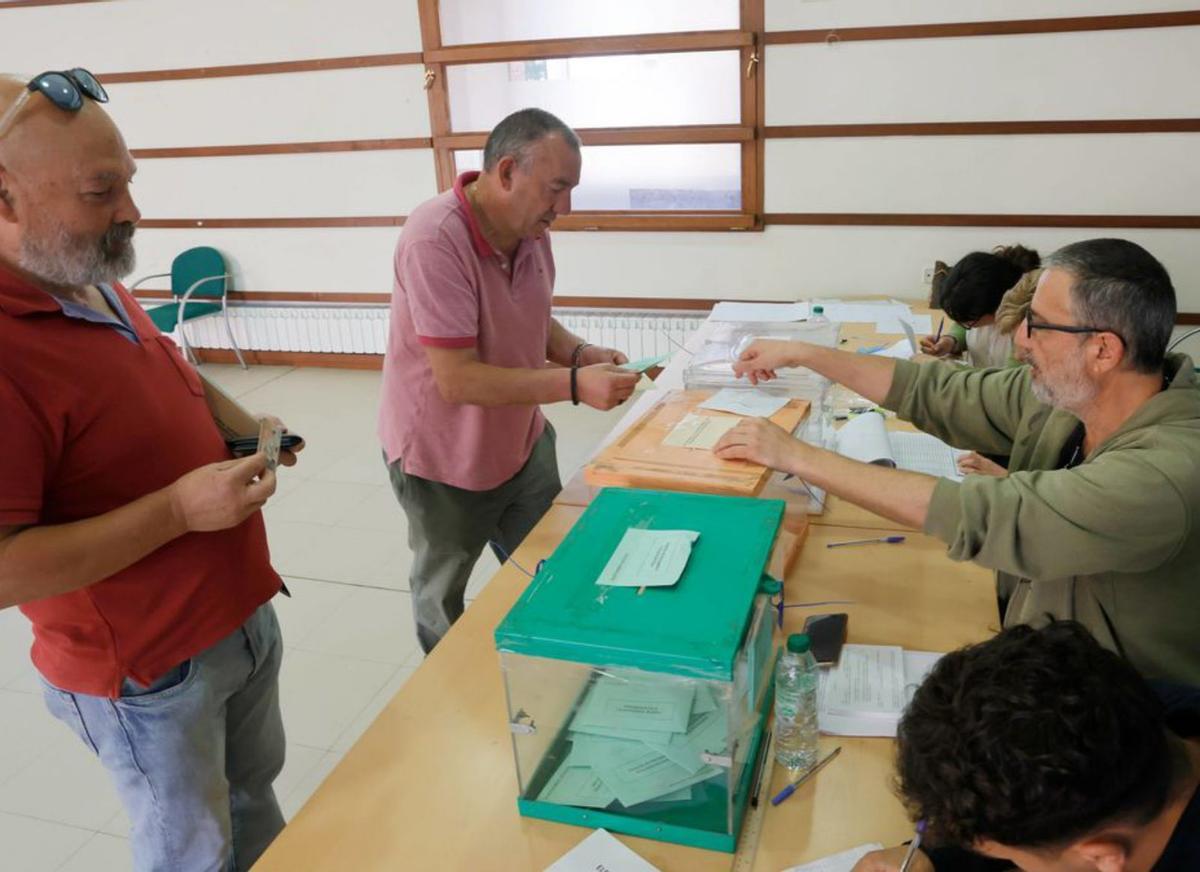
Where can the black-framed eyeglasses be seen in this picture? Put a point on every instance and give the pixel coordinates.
(1031, 324)
(64, 88)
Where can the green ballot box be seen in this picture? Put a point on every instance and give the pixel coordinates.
(639, 707)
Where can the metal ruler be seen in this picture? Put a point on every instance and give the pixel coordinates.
(752, 824)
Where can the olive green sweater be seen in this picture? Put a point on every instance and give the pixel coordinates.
(1113, 543)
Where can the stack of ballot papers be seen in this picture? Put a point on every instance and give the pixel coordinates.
(635, 741)
(866, 438)
(866, 692)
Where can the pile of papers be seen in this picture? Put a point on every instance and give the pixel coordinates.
(865, 694)
(636, 741)
(866, 438)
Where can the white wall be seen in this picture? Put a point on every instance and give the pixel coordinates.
(1114, 74)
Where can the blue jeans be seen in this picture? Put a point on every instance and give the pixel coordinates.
(193, 755)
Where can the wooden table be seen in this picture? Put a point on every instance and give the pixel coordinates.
(431, 785)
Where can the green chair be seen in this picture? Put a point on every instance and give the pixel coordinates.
(198, 278)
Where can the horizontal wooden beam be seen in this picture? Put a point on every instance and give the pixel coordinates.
(331, 360)
(986, 128)
(216, 223)
(339, 145)
(585, 46)
(922, 219)
(14, 4)
(263, 69)
(986, 28)
(358, 298)
(684, 221)
(682, 134)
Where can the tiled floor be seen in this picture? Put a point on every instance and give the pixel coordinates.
(339, 538)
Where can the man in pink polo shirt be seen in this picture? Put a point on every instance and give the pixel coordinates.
(473, 352)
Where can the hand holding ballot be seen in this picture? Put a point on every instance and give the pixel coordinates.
(604, 386)
(760, 361)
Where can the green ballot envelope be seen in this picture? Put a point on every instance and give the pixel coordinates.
(640, 708)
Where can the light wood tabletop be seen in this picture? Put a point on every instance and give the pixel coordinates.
(432, 784)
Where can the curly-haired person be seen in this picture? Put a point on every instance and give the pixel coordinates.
(1041, 750)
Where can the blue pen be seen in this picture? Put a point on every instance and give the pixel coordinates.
(791, 788)
(941, 324)
(887, 540)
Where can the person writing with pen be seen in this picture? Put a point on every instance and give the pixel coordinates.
(1096, 521)
(1039, 750)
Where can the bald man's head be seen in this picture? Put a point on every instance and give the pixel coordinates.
(66, 214)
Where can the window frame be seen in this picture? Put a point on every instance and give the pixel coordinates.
(748, 134)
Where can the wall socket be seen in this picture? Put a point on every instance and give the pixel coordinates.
(927, 277)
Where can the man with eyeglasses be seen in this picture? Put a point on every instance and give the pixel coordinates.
(1097, 519)
(128, 535)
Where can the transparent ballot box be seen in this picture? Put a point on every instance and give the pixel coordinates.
(641, 709)
(711, 366)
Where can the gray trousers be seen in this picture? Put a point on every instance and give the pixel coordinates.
(448, 527)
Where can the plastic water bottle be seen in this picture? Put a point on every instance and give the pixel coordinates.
(817, 315)
(796, 705)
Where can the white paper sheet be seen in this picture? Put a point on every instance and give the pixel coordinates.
(922, 324)
(867, 439)
(751, 403)
(701, 432)
(900, 350)
(601, 850)
(865, 694)
(841, 862)
(763, 312)
(648, 558)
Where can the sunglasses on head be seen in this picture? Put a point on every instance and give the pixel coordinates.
(64, 88)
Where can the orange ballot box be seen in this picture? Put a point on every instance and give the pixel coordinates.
(669, 448)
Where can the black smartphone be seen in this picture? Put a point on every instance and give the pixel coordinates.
(827, 634)
(244, 446)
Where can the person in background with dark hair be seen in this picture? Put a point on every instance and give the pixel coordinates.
(1041, 750)
(1098, 519)
(473, 351)
(971, 294)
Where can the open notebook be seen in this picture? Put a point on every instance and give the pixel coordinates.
(866, 438)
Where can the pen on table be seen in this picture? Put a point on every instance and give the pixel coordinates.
(912, 847)
(791, 788)
(887, 540)
(941, 324)
(765, 746)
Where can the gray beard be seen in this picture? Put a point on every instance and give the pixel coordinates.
(1073, 398)
(66, 261)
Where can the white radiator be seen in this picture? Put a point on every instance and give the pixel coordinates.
(364, 329)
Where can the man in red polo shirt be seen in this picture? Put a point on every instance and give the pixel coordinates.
(128, 536)
(470, 454)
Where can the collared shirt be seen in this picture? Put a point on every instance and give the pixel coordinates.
(453, 290)
(92, 421)
(86, 313)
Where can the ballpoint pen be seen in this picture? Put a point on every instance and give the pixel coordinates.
(941, 324)
(887, 540)
(764, 752)
(791, 788)
(912, 847)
